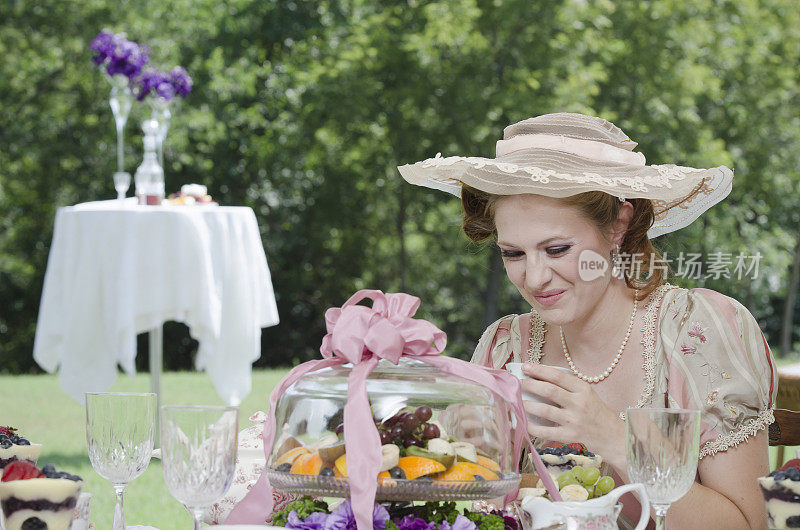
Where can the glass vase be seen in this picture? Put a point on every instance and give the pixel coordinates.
(121, 100)
(161, 114)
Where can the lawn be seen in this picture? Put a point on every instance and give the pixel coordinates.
(42, 411)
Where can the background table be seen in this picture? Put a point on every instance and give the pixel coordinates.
(118, 269)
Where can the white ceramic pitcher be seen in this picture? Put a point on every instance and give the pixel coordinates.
(600, 513)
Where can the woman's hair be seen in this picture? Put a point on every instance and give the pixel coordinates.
(600, 208)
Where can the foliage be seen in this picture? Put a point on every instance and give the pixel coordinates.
(302, 110)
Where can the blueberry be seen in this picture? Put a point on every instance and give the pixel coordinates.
(589, 454)
(326, 472)
(397, 472)
(572, 451)
(48, 469)
(793, 473)
(779, 475)
(793, 521)
(22, 441)
(284, 468)
(5, 443)
(33, 523)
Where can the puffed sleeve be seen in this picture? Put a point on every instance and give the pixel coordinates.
(717, 360)
(494, 348)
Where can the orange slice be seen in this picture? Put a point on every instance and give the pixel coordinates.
(307, 464)
(291, 455)
(466, 471)
(419, 466)
(488, 463)
(340, 466)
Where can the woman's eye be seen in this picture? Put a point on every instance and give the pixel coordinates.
(511, 253)
(555, 251)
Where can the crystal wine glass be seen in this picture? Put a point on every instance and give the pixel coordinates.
(122, 181)
(662, 448)
(198, 453)
(120, 431)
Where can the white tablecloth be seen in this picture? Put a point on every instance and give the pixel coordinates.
(117, 270)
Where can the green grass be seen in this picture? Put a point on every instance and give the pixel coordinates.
(45, 414)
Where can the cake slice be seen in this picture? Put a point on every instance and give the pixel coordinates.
(781, 490)
(34, 499)
(14, 447)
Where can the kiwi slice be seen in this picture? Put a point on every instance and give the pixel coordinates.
(445, 460)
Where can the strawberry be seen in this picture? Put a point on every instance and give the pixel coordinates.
(793, 463)
(8, 431)
(20, 470)
(579, 446)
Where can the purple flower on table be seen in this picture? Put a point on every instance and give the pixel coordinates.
(103, 45)
(155, 81)
(119, 55)
(181, 82)
(343, 518)
(165, 85)
(315, 521)
(409, 522)
(461, 523)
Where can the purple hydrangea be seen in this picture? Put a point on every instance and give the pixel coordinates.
(409, 522)
(181, 82)
(164, 85)
(119, 55)
(315, 521)
(343, 518)
(461, 523)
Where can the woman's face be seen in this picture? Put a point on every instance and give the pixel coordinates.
(542, 241)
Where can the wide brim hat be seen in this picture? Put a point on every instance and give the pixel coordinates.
(564, 154)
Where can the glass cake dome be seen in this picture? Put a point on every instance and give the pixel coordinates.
(443, 437)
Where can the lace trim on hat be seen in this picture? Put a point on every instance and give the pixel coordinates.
(640, 183)
(747, 429)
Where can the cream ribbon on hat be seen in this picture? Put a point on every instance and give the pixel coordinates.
(585, 148)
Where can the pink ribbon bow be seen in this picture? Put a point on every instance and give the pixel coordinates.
(362, 336)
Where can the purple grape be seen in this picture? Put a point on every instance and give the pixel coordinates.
(430, 431)
(413, 441)
(397, 432)
(409, 422)
(386, 438)
(340, 428)
(423, 413)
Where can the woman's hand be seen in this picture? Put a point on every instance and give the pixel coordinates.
(579, 413)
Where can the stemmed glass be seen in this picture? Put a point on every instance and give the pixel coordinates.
(198, 454)
(662, 448)
(122, 181)
(120, 430)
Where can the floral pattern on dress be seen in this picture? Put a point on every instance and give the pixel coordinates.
(698, 332)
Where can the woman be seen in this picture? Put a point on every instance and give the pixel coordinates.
(572, 208)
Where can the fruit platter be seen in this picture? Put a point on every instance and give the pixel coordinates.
(442, 437)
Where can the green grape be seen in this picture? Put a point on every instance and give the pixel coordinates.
(578, 472)
(566, 478)
(603, 486)
(590, 476)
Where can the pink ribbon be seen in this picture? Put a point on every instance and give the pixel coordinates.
(362, 335)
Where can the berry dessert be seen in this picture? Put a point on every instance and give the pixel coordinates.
(38, 499)
(561, 458)
(781, 490)
(413, 446)
(14, 447)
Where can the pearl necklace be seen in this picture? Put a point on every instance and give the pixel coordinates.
(607, 372)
